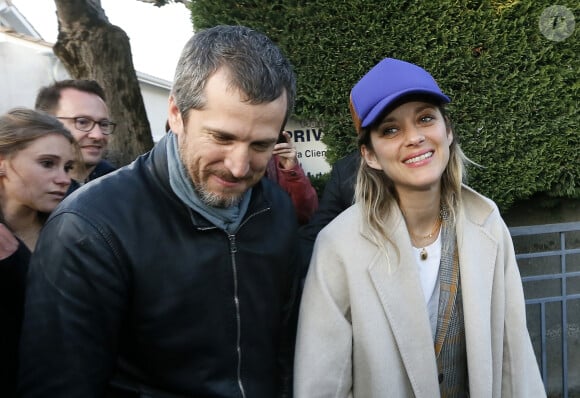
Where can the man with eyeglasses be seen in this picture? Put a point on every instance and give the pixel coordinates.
(80, 105)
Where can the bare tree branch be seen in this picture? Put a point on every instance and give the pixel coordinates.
(160, 3)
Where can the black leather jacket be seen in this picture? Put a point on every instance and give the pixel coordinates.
(131, 293)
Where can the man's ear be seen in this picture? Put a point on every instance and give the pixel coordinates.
(174, 118)
(370, 158)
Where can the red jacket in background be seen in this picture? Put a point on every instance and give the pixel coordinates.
(297, 185)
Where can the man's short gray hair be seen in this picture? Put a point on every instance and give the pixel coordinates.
(256, 66)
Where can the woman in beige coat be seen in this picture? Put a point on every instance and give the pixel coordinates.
(414, 291)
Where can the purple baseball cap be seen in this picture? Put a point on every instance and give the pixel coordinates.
(387, 82)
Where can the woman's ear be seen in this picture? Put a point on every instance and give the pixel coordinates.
(3, 165)
(174, 118)
(370, 158)
(449, 130)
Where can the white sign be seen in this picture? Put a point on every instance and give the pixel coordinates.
(310, 150)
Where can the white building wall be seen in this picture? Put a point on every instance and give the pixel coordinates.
(28, 64)
(156, 101)
(23, 69)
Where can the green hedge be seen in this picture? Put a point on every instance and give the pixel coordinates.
(515, 93)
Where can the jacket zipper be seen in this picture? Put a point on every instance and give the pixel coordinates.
(233, 250)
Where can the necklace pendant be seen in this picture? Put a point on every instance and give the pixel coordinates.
(423, 254)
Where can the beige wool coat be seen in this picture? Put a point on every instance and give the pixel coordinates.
(364, 331)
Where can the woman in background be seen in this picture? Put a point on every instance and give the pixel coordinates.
(37, 154)
(284, 169)
(414, 291)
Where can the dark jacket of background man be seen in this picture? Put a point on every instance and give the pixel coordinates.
(338, 195)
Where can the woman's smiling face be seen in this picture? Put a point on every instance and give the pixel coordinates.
(411, 145)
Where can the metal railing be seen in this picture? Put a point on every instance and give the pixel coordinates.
(549, 261)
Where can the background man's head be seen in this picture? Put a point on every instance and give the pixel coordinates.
(80, 105)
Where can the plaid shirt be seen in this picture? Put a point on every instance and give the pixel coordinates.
(450, 337)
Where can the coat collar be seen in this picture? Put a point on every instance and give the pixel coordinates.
(396, 281)
(478, 251)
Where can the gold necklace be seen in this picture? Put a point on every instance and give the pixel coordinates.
(423, 252)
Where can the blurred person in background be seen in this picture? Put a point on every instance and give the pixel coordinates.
(285, 169)
(338, 195)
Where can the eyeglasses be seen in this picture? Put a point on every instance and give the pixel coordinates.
(86, 124)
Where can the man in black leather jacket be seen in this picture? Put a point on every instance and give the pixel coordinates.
(176, 276)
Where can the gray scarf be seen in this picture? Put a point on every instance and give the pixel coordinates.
(228, 219)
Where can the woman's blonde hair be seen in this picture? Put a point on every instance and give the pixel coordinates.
(376, 193)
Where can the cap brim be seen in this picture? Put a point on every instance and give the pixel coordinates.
(386, 102)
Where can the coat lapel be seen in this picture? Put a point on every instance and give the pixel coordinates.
(396, 281)
(477, 258)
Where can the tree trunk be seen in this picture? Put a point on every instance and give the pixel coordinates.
(90, 47)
